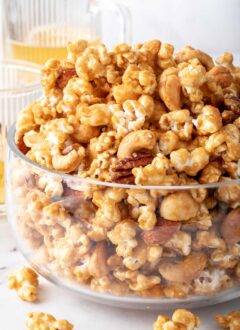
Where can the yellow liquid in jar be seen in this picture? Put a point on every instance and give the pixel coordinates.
(36, 54)
(47, 41)
(2, 183)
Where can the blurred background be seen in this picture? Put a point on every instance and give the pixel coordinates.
(212, 25)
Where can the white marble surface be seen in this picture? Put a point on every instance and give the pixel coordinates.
(62, 304)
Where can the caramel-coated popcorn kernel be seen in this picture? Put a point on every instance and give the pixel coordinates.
(43, 321)
(182, 319)
(25, 282)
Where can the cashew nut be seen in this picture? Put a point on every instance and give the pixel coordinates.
(170, 89)
(184, 271)
(230, 228)
(69, 160)
(136, 140)
(179, 206)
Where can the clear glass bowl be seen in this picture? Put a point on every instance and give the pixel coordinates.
(19, 86)
(91, 237)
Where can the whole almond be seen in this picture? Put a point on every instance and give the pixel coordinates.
(161, 233)
(98, 261)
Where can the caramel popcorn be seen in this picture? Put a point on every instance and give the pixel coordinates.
(81, 94)
(230, 321)
(25, 282)
(43, 321)
(211, 281)
(182, 319)
(126, 136)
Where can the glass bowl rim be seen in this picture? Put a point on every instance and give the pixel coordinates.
(13, 147)
(28, 67)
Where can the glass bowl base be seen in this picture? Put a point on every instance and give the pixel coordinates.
(139, 303)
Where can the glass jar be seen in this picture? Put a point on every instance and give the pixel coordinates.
(93, 237)
(19, 86)
(37, 30)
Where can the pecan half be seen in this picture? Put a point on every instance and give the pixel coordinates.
(71, 199)
(233, 103)
(163, 231)
(121, 171)
(230, 228)
(22, 146)
(65, 76)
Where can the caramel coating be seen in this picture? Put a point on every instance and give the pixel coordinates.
(140, 115)
(230, 321)
(25, 282)
(182, 319)
(171, 207)
(43, 321)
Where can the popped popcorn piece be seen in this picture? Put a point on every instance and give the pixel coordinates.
(177, 290)
(192, 76)
(43, 321)
(123, 235)
(179, 121)
(25, 282)
(156, 173)
(190, 163)
(171, 207)
(208, 239)
(143, 208)
(211, 281)
(144, 282)
(226, 259)
(182, 319)
(230, 321)
(209, 121)
(180, 242)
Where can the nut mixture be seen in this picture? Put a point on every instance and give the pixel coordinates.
(25, 282)
(139, 115)
(182, 319)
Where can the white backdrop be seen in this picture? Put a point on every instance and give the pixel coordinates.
(212, 25)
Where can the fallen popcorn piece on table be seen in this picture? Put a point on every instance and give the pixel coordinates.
(25, 282)
(182, 319)
(43, 321)
(230, 321)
